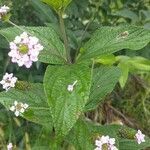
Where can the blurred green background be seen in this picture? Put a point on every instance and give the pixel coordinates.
(130, 105)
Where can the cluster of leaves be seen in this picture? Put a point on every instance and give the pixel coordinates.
(127, 65)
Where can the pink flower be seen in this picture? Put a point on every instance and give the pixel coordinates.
(139, 137)
(111, 141)
(107, 141)
(9, 146)
(25, 50)
(8, 81)
(99, 144)
(98, 148)
(3, 11)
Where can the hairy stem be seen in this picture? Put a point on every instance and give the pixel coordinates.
(20, 28)
(64, 36)
(10, 22)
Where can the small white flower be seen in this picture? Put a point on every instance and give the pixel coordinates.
(98, 148)
(107, 142)
(104, 139)
(24, 50)
(99, 144)
(19, 108)
(112, 147)
(64, 16)
(111, 141)
(85, 22)
(139, 137)
(9, 146)
(70, 87)
(8, 81)
(3, 11)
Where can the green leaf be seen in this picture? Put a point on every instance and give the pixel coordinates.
(106, 59)
(124, 66)
(125, 144)
(54, 51)
(3, 43)
(66, 106)
(38, 110)
(79, 135)
(42, 141)
(140, 63)
(57, 4)
(99, 130)
(104, 80)
(44, 13)
(86, 131)
(127, 13)
(107, 40)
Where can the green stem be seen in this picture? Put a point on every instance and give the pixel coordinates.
(64, 36)
(92, 70)
(43, 108)
(10, 22)
(93, 63)
(10, 126)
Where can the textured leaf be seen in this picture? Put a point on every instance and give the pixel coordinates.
(54, 51)
(125, 144)
(108, 40)
(84, 134)
(79, 135)
(57, 4)
(38, 111)
(99, 130)
(66, 106)
(104, 80)
(122, 144)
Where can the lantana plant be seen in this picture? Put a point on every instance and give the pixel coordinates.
(72, 85)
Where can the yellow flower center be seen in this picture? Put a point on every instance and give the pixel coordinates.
(8, 81)
(23, 49)
(19, 106)
(104, 147)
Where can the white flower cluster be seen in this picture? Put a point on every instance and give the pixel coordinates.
(8, 81)
(3, 11)
(105, 142)
(25, 50)
(139, 136)
(9, 146)
(19, 108)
